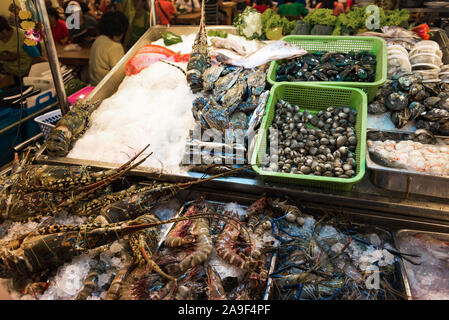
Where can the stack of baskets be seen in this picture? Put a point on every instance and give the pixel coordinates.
(320, 95)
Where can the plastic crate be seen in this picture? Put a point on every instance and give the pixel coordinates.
(47, 122)
(314, 98)
(374, 45)
(34, 105)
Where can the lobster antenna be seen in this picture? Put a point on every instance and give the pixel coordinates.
(223, 174)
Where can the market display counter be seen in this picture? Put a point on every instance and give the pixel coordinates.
(364, 196)
(365, 210)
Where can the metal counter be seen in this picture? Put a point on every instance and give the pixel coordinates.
(364, 198)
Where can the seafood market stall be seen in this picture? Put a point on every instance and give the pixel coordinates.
(363, 194)
(314, 226)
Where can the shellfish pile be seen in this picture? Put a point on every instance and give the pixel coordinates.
(407, 98)
(327, 149)
(329, 66)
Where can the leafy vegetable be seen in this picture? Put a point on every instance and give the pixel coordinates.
(321, 16)
(270, 20)
(355, 19)
(217, 33)
(396, 17)
(249, 24)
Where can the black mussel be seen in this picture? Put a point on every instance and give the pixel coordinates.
(400, 118)
(436, 115)
(423, 136)
(431, 126)
(432, 88)
(444, 129)
(282, 77)
(431, 102)
(281, 68)
(417, 92)
(405, 82)
(376, 107)
(396, 101)
(290, 67)
(416, 108)
(311, 60)
(444, 103)
(320, 75)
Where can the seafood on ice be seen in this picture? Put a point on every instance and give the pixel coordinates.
(411, 155)
(276, 50)
(430, 279)
(150, 54)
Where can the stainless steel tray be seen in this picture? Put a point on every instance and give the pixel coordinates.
(385, 223)
(187, 196)
(405, 181)
(398, 270)
(402, 233)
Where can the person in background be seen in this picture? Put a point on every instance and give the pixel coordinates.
(91, 8)
(139, 23)
(293, 9)
(387, 4)
(337, 7)
(110, 5)
(4, 293)
(60, 7)
(107, 49)
(165, 12)
(88, 24)
(12, 50)
(261, 5)
(281, 2)
(349, 4)
(127, 8)
(188, 6)
(58, 27)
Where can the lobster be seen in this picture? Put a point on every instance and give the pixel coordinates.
(214, 285)
(138, 200)
(199, 59)
(53, 245)
(18, 206)
(72, 125)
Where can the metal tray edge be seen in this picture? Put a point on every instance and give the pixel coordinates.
(396, 235)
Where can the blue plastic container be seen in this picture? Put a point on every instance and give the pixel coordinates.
(31, 128)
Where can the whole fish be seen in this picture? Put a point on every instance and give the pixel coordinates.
(149, 54)
(231, 44)
(276, 50)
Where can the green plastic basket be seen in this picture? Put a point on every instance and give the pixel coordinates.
(314, 98)
(374, 45)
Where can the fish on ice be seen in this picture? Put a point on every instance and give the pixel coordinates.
(276, 50)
